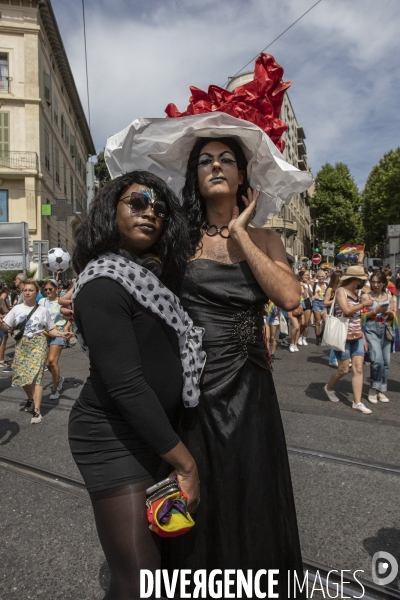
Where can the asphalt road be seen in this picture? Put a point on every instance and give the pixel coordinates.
(346, 512)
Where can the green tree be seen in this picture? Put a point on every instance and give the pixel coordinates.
(100, 170)
(336, 206)
(381, 200)
(9, 276)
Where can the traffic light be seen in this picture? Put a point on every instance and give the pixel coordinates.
(316, 245)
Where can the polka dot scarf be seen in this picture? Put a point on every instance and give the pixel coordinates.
(147, 289)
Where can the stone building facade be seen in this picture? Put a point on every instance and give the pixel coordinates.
(45, 139)
(293, 223)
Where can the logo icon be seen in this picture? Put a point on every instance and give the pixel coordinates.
(384, 568)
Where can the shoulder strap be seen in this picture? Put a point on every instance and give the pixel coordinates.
(22, 325)
(31, 313)
(333, 304)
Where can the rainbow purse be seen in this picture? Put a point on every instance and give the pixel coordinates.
(167, 509)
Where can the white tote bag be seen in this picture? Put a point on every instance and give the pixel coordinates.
(335, 331)
(283, 328)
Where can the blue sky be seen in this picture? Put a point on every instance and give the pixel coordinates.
(343, 59)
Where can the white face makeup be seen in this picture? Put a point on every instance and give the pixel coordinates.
(217, 171)
(226, 157)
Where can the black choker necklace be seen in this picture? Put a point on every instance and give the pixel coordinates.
(212, 230)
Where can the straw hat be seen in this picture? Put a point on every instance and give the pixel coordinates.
(356, 271)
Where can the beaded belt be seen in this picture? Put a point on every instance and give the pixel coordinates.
(244, 328)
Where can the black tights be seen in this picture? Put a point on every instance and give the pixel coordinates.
(124, 534)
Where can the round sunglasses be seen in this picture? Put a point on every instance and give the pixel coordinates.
(139, 202)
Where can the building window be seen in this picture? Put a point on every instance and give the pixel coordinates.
(3, 206)
(65, 179)
(4, 80)
(47, 87)
(71, 181)
(55, 110)
(57, 164)
(4, 138)
(47, 149)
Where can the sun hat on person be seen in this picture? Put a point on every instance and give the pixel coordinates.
(355, 271)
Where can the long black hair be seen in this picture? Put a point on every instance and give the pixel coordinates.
(193, 202)
(99, 232)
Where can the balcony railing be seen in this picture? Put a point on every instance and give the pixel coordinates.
(301, 147)
(302, 163)
(19, 161)
(4, 84)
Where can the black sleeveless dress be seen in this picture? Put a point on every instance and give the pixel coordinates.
(246, 518)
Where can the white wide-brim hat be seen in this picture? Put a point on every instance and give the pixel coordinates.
(162, 146)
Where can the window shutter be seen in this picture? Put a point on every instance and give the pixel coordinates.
(47, 87)
(47, 149)
(55, 110)
(4, 132)
(72, 145)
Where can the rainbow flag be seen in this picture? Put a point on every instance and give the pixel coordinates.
(350, 251)
(272, 312)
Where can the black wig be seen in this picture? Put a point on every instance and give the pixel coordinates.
(99, 233)
(192, 200)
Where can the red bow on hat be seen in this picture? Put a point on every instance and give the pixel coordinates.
(258, 101)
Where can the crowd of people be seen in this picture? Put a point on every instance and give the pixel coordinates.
(31, 313)
(369, 299)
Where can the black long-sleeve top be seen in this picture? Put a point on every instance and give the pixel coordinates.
(135, 381)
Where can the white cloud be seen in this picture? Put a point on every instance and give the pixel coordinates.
(342, 58)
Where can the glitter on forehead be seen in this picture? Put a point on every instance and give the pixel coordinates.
(150, 194)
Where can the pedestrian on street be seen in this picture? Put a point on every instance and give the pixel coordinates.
(306, 300)
(333, 285)
(140, 342)
(376, 319)
(390, 284)
(296, 320)
(271, 325)
(31, 350)
(318, 307)
(55, 345)
(19, 283)
(348, 305)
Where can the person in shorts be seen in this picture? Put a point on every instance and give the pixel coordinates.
(55, 345)
(347, 304)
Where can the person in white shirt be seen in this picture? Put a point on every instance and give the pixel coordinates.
(55, 344)
(31, 349)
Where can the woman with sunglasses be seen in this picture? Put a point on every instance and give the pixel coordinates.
(57, 344)
(145, 356)
(377, 318)
(347, 304)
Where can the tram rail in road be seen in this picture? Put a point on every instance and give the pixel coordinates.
(75, 487)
